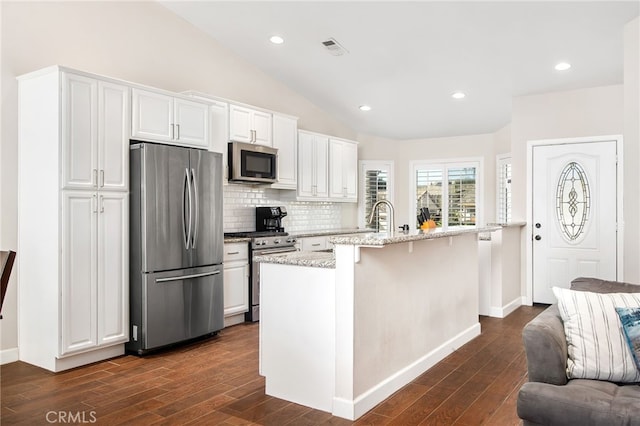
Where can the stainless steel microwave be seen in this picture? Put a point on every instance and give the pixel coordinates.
(252, 163)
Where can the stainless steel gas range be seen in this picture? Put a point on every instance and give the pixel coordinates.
(267, 242)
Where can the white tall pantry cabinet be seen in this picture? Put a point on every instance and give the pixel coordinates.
(73, 206)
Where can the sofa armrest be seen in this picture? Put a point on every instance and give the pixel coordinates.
(545, 345)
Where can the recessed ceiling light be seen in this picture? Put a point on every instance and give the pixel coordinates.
(364, 108)
(563, 66)
(276, 39)
(458, 95)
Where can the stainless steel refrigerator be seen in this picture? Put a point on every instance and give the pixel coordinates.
(176, 288)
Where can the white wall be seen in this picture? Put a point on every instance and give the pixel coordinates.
(404, 152)
(140, 42)
(632, 151)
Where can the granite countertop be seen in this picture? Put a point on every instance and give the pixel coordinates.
(236, 240)
(314, 259)
(329, 232)
(508, 224)
(383, 238)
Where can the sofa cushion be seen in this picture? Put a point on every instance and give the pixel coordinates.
(596, 285)
(579, 402)
(630, 319)
(596, 345)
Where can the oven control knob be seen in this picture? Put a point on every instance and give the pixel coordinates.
(276, 241)
(260, 243)
(291, 240)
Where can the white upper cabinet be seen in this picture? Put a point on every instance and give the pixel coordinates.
(164, 118)
(312, 166)
(114, 124)
(191, 122)
(95, 134)
(285, 139)
(79, 131)
(343, 170)
(327, 168)
(250, 126)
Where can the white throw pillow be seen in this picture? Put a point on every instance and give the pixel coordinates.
(596, 343)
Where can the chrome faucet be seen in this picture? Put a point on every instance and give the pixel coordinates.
(392, 227)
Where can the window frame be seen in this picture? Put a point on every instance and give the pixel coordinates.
(363, 166)
(445, 165)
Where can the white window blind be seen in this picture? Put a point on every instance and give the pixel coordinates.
(503, 190)
(376, 182)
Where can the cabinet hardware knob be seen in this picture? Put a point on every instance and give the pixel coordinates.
(538, 237)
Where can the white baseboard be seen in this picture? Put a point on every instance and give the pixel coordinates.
(8, 355)
(507, 309)
(352, 410)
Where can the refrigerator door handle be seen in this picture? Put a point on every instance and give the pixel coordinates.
(186, 277)
(196, 197)
(186, 209)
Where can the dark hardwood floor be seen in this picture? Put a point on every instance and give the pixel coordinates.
(216, 382)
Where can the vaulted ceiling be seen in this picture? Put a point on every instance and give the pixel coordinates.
(406, 59)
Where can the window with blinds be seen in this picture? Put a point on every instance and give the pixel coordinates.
(375, 189)
(429, 193)
(450, 191)
(461, 196)
(376, 181)
(503, 190)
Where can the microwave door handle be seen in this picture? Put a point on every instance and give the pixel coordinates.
(196, 198)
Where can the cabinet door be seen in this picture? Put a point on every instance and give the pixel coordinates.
(113, 268)
(240, 124)
(336, 167)
(191, 123)
(114, 121)
(262, 128)
(79, 132)
(306, 183)
(152, 116)
(350, 171)
(321, 158)
(285, 133)
(343, 168)
(236, 288)
(78, 292)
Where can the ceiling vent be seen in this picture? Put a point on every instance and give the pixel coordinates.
(334, 47)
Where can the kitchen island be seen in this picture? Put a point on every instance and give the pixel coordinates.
(341, 331)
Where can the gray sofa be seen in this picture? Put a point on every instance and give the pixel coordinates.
(548, 398)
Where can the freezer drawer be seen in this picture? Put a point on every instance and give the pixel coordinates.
(177, 306)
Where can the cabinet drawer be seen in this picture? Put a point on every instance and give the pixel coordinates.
(236, 251)
(314, 243)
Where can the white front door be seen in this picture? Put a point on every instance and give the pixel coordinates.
(574, 215)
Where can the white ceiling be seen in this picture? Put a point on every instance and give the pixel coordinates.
(406, 58)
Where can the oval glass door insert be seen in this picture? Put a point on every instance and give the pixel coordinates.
(573, 201)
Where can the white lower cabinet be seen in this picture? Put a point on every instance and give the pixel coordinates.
(236, 282)
(94, 303)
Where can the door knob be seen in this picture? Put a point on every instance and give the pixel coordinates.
(538, 237)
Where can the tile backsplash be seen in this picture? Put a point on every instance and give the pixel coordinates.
(240, 202)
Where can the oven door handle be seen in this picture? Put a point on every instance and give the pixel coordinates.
(274, 251)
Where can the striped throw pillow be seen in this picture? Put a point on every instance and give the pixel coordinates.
(596, 343)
